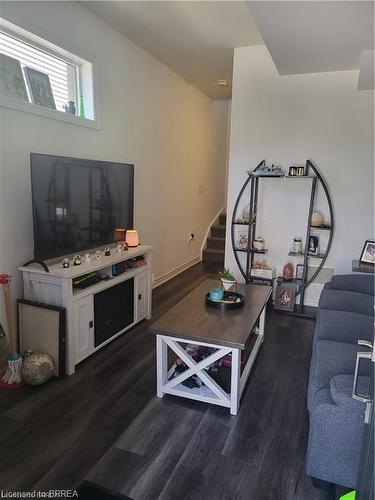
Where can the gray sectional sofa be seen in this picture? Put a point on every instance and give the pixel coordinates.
(345, 315)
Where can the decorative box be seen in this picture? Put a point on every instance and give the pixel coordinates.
(268, 273)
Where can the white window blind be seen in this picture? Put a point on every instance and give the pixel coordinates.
(62, 75)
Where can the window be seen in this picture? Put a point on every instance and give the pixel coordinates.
(62, 75)
(69, 76)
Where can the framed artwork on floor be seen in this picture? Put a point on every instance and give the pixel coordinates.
(285, 298)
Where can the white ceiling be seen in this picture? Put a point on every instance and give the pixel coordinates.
(315, 36)
(196, 38)
(193, 38)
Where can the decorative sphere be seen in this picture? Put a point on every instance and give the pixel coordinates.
(37, 368)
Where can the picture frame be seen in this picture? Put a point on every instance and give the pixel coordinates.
(42, 328)
(300, 271)
(39, 87)
(368, 253)
(242, 238)
(313, 245)
(285, 298)
(12, 82)
(296, 171)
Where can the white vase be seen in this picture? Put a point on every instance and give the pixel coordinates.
(227, 284)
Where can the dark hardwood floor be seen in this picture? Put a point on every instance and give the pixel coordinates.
(105, 423)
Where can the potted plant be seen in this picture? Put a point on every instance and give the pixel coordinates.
(227, 279)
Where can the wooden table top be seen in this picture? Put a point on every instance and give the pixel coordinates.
(192, 319)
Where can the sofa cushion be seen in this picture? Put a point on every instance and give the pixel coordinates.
(354, 282)
(330, 358)
(344, 300)
(343, 326)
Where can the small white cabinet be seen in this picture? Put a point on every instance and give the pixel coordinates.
(83, 318)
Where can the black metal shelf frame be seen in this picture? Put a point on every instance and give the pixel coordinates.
(253, 180)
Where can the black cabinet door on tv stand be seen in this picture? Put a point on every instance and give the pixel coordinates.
(113, 310)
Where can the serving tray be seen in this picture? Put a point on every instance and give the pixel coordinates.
(229, 301)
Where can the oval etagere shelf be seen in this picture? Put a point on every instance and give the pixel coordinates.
(251, 188)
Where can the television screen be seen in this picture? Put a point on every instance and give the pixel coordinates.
(77, 204)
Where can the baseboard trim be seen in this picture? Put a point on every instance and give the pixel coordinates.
(171, 274)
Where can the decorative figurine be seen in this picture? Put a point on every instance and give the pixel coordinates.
(297, 245)
(71, 107)
(77, 260)
(288, 271)
(264, 171)
(98, 254)
(65, 263)
(87, 258)
(107, 251)
(258, 243)
(119, 248)
(125, 246)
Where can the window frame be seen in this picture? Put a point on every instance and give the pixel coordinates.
(85, 70)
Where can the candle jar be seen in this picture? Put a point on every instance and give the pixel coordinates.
(258, 243)
(297, 246)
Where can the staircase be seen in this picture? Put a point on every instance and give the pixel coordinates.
(215, 245)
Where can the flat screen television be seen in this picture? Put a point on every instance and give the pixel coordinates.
(77, 203)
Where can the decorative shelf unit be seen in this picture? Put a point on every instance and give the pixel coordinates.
(252, 182)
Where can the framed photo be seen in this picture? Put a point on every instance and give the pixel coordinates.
(368, 253)
(12, 83)
(242, 239)
(39, 88)
(299, 272)
(285, 298)
(296, 171)
(314, 245)
(41, 328)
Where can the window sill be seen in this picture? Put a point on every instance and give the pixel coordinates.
(35, 109)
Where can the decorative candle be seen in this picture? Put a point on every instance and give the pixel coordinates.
(132, 238)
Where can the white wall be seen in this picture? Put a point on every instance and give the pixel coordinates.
(149, 116)
(286, 120)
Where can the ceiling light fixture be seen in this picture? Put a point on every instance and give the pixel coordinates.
(222, 83)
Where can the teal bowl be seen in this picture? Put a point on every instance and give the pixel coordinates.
(216, 294)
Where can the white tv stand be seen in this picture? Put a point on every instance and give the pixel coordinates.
(56, 288)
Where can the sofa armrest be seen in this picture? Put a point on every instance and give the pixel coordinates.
(335, 436)
(354, 283)
(341, 388)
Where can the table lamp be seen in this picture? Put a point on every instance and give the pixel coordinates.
(132, 238)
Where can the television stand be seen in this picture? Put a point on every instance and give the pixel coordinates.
(99, 313)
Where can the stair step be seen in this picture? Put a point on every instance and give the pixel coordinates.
(218, 231)
(213, 255)
(223, 219)
(218, 243)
